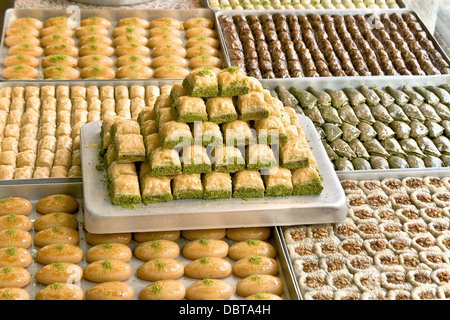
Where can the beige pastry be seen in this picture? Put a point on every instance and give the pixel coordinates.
(132, 49)
(129, 59)
(15, 238)
(166, 22)
(56, 235)
(205, 60)
(59, 252)
(59, 272)
(129, 39)
(21, 59)
(134, 21)
(201, 50)
(57, 39)
(95, 239)
(61, 49)
(26, 22)
(165, 30)
(60, 291)
(198, 22)
(15, 256)
(209, 289)
(200, 32)
(14, 294)
(107, 270)
(15, 205)
(175, 50)
(160, 269)
(208, 267)
(168, 59)
(96, 49)
(204, 234)
(61, 72)
(59, 60)
(110, 290)
(164, 40)
(95, 59)
(97, 40)
(196, 249)
(156, 235)
(134, 71)
(61, 21)
(255, 233)
(57, 219)
(14, 221)
(62, 30)
(21, 39)
(16, 277)
(96, 21)
(108, 251)
(57, 203)
(163, 290)
(20, 71)
(255, 265)
(130, 30)
(26, 48)
(97, 72)
(254, 284)
(156, 249)
(91, 31)
(250, 248)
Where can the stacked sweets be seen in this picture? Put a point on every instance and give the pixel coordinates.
(215, 135)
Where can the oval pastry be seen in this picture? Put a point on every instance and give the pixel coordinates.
(57, 39)
(15, 257)
(157, 249)
(168, 59)
(200, 32)
(259, 283)
(205, 60)
(107, 270)
(209, 289)
(59, 272)
(208, 267)
(131, 30)
(21, 59)
(14, 294)
(255, 265)
(16, 277)
(21, 39)
(132, 49)
(59, 252)
(62, 30)
(25, 48)
(163, 290)
(133, 21)
(57, 203)
(15, 238)
(158, 31)
(56, 235)
(129, 39)
(91, 31)
(129, 59)
(14, 221)
(23, 30)
(250, 248)
(61, 21)
(198, 22)
(110, 290)
(164, 40)
(20, 71)
(61, 49)
(97, 72)
(204, 234)
(59, 60)
(60, 291)
(57, 219)
(96, 21)
(205, 248)
(170, 72)
(115, 251)
(27, 22)
(166, 22)
(97, 40)
(161, 50)
(95, 59)
(134, 71)
(255, 233)
(160, 269)
(202, 50)
(96, 49)
(15, 205)
(156, 235)
(102, 238)
(263, 296)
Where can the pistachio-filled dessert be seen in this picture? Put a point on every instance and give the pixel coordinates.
(215, 135)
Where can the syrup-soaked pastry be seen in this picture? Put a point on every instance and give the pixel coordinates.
(306, 265)
(400, 244)
(424, 242)
(424, 292)
(314, 281)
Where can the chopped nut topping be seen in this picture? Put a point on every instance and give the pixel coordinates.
(351, 297)
(425, 242)
(334, 265)
(370, 185)
(435, 258)
(443, 276)
(298, 235)
(369, 228)
(377, 245)
(424, 197)
(321, 296)
(411, 261)
(341, 282)
(433, 213)
(352, 248)
(392, 228)
(422, 277)
(357, 202)
(319, 233)
(443, 196)
(436, 182)
(363, 213)
(303, 251)
(401, 296)
(446, 243)
(360, 263)
(328, 248)
(399, 245)
(389, 260)
(427, 295)
(386, 215)
(346, 230)
(439, 227)
(393, 185)
(403, 200)
(395, 278)
(417, 228)
(310, 266)
(414, 183)
(349, 185)
(377, 200)
(410, 214)
(315, 281)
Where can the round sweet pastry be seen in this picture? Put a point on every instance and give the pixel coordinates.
(104, 251)
(157, 235)
(110, 290)
(14, 221)
(129, 59)
(157, 249)
(200, 248)
(59, 60)
(204, 234)
(21, 59)
(102, 238)
(208, 267)
(60, 291)
(255, 265)
(242, 234)
(59, 252)
(16, 277)
(259, 283)
(14, 294)
(57, 219)
(59, 272)
(107, 270)
(56, 235)
(174, 50)
(198, 22)
(57, 203)
(27, 22)
(160, 269)
(209, 289)
(250, 248)
(134, 71)
(15, 257)
(15, 238)
(202, 50)
(163, 290)
(20, 71)
(97, 72)
(97, 40)
(170, 72)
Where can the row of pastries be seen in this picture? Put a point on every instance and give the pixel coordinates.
(134, 48)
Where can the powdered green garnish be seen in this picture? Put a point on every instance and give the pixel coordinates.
(205, 242)
(159, 264)
(208, 282)
(11, 217)
(156, 245)
(255, 260)
(59, 266)
(156, 288)
(10, 251)
(204, 260)
(107, 246)
(253, 242)
(4, 200)
(107, 264)
(56, 286)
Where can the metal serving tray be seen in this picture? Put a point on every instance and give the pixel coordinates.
(370, 175)
(34, 192)
(399, 2)
(352, 12)
(112, 15)
(103, 217)
(396, 82)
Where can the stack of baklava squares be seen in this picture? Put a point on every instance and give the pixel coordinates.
(214, 135)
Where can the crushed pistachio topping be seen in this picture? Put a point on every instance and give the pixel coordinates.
(21, 57)
(233, 69)
(11, 217)
(134, 45)
(59, 266)
(134, 58)
(160, 265)
(56, 229)
(255, 260)
(57, 36)
(156, 288)
(204, 260)
(7, 295)
(6, 199)
(59, 247)
(255, 277)
(204, 242)
(208, 282)
(107, 246)
(19, 67)
(56, 286)
(10, 232)
(58, 57)
(252, 242)
(156, 245)
(7, 270)
(107, 264)
(10, 251)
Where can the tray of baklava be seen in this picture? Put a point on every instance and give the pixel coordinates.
(393, 245)
(274, 44)
(46, 254)
(394, 124)
(214, 150)
(303, 4)
(107, 44)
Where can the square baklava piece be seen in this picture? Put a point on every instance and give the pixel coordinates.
(306, 181)
(129, 148)
(163, 162)
(154, 189)
(248, 184)
(124, 190)
(294, 154)
(124, 126)
(227, 159)
(278, 182)
(175, 134)
(260, 156)
(163, 116)
(232, 82)
(202, 83)
(207, 134)
(221, 109)
(195, 160)
(271, 130)
(190, 109)
(238, 133)
(187, 186)
(252, 106)
(217, 185)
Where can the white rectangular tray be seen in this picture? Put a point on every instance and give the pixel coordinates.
(103, 217)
